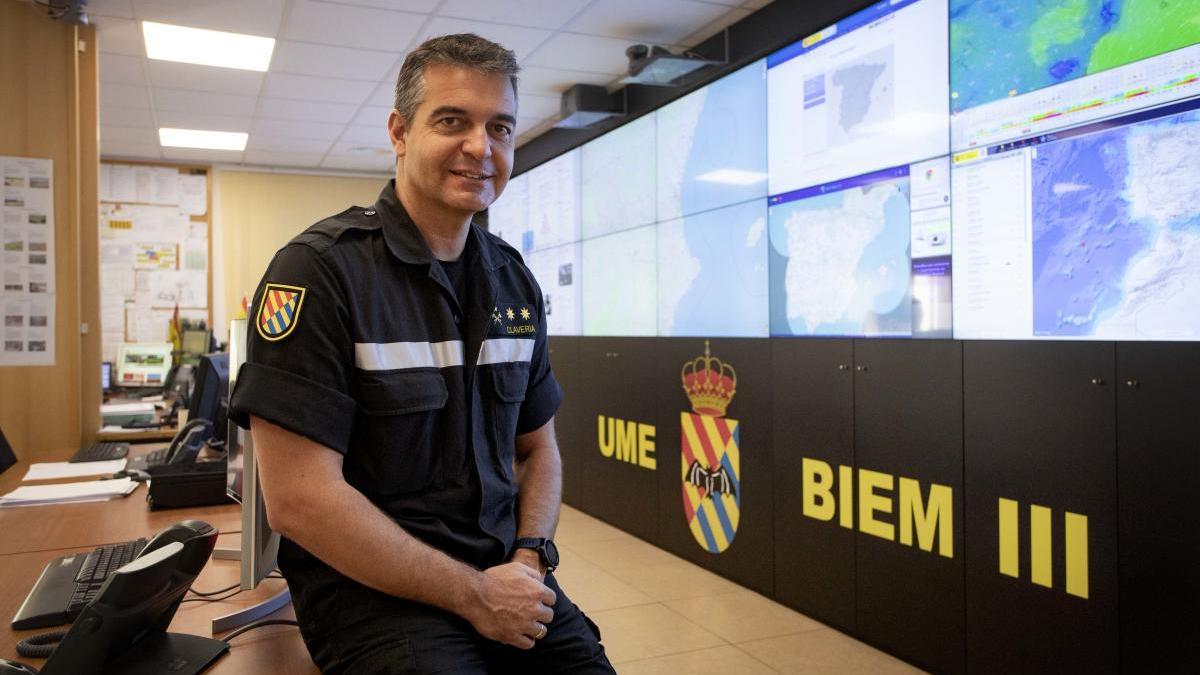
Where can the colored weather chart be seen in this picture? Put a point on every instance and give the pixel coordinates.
(840, 262)
(1002, 48)
(1116, 250)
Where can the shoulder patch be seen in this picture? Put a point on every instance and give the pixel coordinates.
(279, 311)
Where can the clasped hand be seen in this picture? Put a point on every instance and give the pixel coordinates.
(513, 605)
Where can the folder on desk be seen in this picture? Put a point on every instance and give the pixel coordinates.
(62, 493)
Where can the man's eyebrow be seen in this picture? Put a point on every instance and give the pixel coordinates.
(447, 110)
(505, 117)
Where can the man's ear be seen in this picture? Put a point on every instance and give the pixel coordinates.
(397, 131)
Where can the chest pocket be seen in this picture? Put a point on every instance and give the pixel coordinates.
(399, 426)
(509, 381)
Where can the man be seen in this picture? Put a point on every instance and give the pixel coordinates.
(400, 398)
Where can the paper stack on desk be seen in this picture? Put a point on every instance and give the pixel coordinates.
(61, 493)
(53, 470)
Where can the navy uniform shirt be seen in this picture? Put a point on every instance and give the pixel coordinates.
(358, 342)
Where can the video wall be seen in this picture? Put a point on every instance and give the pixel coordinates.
(977, 169)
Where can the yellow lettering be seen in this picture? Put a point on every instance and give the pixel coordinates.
(816, 478)
(646, 447)
(846, 496)
(869, 503)
(1010, 544)
(606, 440)
(1077, 554)
(627, 441)
(1040, 540)
(939, 516)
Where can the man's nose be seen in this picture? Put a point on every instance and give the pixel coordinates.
(477, 143)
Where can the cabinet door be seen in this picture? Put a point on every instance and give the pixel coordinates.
(813, 412)
(568, 423)
(614, 385)
(1041, 515)
(908, 449)
(1158, 460)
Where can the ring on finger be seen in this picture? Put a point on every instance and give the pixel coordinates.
(542, 632)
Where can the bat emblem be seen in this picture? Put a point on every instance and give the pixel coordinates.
(717, 481)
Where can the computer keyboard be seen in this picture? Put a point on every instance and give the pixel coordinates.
(101, 451)
(152, 458)
(69, 583)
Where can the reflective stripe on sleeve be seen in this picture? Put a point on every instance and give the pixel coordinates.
(402, 355)
(505, 350)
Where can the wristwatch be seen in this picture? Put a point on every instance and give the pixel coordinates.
(546, 550)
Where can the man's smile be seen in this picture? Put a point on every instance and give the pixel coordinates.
(471, 175)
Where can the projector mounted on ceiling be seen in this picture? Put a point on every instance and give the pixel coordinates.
(67, 11)
(584, 105)
(656, 65)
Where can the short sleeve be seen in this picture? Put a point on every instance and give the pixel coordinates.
(300, 352)
(544, 395)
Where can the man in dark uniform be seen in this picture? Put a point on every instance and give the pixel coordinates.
(401, 402)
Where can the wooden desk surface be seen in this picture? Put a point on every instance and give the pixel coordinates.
(32, 536)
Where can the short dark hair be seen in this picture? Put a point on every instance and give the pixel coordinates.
(464, 49)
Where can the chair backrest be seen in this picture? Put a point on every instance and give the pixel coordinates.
(7, 456)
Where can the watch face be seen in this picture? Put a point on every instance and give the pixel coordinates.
(551, 553)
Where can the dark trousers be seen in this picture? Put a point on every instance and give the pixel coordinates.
(349, 628)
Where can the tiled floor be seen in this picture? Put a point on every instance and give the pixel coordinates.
(661, 614)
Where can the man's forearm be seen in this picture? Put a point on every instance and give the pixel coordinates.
(539, 481)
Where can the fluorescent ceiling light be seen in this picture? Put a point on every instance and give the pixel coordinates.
(733, 177)
(165, 42)
(195, 138)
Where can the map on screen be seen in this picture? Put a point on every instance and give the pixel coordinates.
(620, 283)
(617, 179)
(713, 273)
(839, 262)
(508, 216)
(557, 272)
(712, 145)
(1047, 42)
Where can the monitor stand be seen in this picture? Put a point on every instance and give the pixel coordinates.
(175, 653)
(252, 613)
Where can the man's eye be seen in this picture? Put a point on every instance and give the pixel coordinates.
(502, 130)
(450, 121)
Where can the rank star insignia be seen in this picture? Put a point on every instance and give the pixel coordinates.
(496, 315)
(509, 313)
(525, 313)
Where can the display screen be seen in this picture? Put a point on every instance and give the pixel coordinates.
(557, 272)
(620, 282)
(617, 179)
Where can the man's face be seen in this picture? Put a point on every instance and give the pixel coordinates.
(457, 151)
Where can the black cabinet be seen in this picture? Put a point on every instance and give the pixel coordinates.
(564, 359)
(813, 412)
(1158, 469)
(1041, 520)
(908, 440)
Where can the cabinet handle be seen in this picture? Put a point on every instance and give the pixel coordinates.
(861, 369)
(1132, 384)
(1098, 381)
(842, 366)
(611, 355)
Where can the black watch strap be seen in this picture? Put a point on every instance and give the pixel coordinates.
(546, 550)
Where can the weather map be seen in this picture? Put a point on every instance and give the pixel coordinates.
(840, 260)
(620, 283)
(1003, 48)
(1116, 249)
(864, 94)
(618, 179)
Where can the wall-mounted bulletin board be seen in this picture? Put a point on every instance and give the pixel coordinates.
(27, 262)
(155, 250)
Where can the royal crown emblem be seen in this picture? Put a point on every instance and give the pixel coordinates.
(711, 460)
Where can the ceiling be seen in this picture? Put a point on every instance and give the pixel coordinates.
(324, 100)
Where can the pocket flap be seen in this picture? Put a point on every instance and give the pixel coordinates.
(402, 393)
(511, 381)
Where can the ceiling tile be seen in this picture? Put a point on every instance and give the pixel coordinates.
(282, 158)
(539, 106)
(385, 93)
(205, 78)
(422, 6)
(130, 150)
(204, 102)
(144, 135)
(356, 136)
(121, 69)
(315, 131)
(373, 116)
(370, 163)
(126, 117)
(589, 53)
(125, 95)
(550, 14)
(347, 26)
(322, 60)
(305, 111)
(173, 119)
(282, 144)
(304, 88)
(198, 155)
(349, 148)
(261, 17)
(539, 81)
(757, 4)
(517, 38)
(119, 36)
(658, 22)
(115, 8)
(728, 19)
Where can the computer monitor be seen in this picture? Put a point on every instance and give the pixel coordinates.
(143, 364)
(193, 344)
(210, 397)
(7, 456)
(260, 544)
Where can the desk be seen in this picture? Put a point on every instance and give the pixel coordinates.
(32, 536)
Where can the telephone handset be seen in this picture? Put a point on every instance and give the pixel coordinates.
(188, 442)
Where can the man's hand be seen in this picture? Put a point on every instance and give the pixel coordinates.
(514, 606)
(530, 558)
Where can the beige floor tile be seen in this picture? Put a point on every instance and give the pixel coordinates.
(824, 651)
(578, 527)
(743, 615)
(645, 631)
(592, 588)
(676, 578)
(724, 660)
(619, 556)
